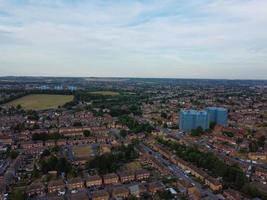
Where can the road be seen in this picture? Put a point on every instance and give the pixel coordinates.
(179, 173)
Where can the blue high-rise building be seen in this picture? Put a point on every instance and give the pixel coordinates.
(218, 115)
(202, 120)
(192, 119)
(187, 120)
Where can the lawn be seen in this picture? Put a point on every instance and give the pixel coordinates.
(41, 101)
(106, 93)
(82, 151)
(133, 165)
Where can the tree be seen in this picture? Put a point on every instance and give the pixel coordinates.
(132, 198)
(197, 132)
(228, 133)
(18, 107)
(111, 162)
(163, 115)
(87, 133)
(32, 115)
(123, 133)
(45, 136)
(261, 141)
(63, 166)
(232, 176)
(17, 194)
(253, 146)
(55, 149)
(77, 124)
(35, 172)
(54, 163)
(45, 153)
(134, 125)
(239, 140)
(146, 196)
(13, 154)
(251, 190)
(165, 194)
(212, 125)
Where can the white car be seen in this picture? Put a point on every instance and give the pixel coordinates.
(74, 191)
(60, 193)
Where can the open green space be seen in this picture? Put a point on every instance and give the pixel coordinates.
(41, 101)
(105, 93)
(82, 151)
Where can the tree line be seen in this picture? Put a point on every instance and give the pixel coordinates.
(110, 162)
(232, 175)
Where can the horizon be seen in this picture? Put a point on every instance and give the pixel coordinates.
(121, 77)
(134, 39)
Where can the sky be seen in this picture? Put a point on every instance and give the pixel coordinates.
(128, 38)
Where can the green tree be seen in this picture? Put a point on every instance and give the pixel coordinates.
(17, 194)
(228, 133)
(212, 125)
(123, 133)
(261, 141)
(45, 153)
(239, 140)
(252, 190)
(13, 154)
(35, 172)
(253, 146)
(87, 133)
(77, 124)
(197, 132)
(18, 107)
(165, 195)
(163, 115)
(63, 166)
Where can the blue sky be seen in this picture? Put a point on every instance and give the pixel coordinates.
(145, 38)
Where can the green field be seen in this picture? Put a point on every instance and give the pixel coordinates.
(105, 93)
(82, 151)
(133, 165)
(41, 101)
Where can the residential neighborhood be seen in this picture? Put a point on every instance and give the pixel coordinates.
(145, 141)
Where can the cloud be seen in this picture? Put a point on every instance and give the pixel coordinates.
(134, 38)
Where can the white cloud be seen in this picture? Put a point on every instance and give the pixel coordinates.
(135, 38)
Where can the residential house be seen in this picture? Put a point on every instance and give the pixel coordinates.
(213, 183)
(92, 181)
(111, 179)
(231, 194)
(75, 184)
(37, 189)
(126, 176)
(100, 195)
(120, 192)
(141, 174)
(79, 196)
(257, 156)
(137, 189)
(6, 139)
(155, 187)
(56, 186)
(183, 186)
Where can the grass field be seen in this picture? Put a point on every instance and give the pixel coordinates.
(41, 101)
(133, 165)
(82, 151)
(106, 93)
